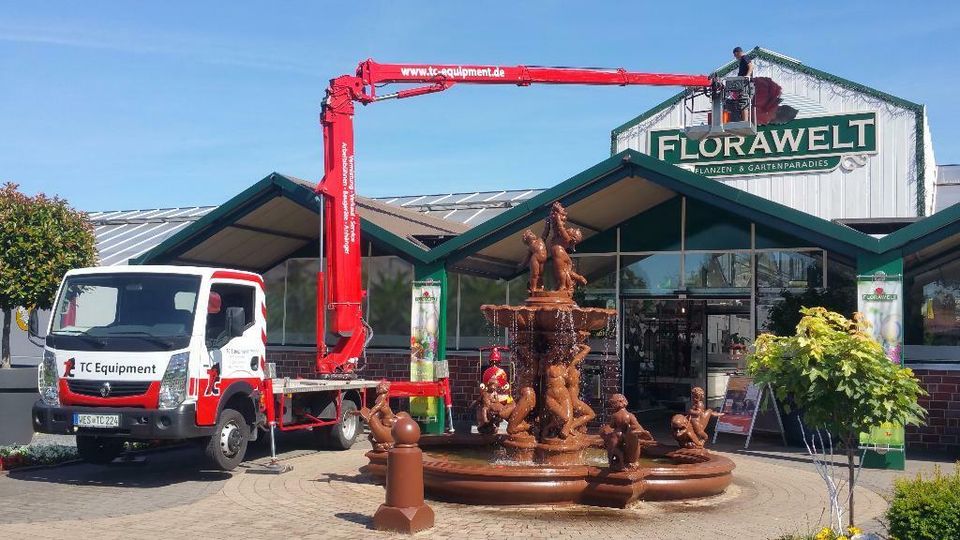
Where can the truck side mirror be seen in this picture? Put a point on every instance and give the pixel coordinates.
(33, 324)
(235, 321)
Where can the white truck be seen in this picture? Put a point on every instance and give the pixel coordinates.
(144, 353)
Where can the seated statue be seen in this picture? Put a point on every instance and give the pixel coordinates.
(685, 434)
(491, 408)
(623, 436)
(699, 415)
(380, 418)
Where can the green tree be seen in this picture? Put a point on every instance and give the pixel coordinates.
(839, 377)
(40, 239)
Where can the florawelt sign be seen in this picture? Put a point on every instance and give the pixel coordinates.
(813, 144)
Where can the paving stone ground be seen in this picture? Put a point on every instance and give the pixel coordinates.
(169, 496)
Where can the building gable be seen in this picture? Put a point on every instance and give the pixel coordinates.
(891, 176)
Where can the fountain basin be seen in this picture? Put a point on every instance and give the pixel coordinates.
(455, 469)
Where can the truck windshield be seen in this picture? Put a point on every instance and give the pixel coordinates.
(100, 309)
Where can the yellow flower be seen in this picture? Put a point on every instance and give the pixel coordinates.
(853, 531)
(842, 537)
(825, 533)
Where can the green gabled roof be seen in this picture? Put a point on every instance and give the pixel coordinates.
(924, 232)
(273, 185)
(775, 58)
(632, 163)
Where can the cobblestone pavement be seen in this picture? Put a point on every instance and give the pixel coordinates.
(325, 497)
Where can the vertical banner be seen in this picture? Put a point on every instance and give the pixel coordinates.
(880, 300)
(424, 339)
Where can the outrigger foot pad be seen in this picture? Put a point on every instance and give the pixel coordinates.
(274, 467)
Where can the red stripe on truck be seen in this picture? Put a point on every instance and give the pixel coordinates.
(243, 276)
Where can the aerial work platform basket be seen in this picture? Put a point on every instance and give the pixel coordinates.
(731, 111)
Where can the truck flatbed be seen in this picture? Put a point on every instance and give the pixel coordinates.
(294, 386)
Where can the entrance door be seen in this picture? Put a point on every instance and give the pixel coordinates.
(664, 351)
(729, 332)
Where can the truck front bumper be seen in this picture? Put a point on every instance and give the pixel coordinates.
(179, 423)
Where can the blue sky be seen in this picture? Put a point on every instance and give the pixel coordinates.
(118, 105)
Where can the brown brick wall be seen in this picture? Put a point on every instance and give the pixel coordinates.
(942, 431)
(464, 371)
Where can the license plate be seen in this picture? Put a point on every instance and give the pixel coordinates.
(96, 420)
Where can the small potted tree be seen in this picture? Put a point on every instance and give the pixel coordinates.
(842, 380)
(40, 239)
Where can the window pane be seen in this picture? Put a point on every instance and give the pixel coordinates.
(717, 270)
(934, 306)
(389, 286)
(474, 292)
(659, 273)
(301, 298)
(241, 296)
(789, 269)
(273, 281)
(600, 272)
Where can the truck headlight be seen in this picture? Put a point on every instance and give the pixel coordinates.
(48, 380)
(173, 386)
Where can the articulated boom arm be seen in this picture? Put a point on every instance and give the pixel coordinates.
(339, 288)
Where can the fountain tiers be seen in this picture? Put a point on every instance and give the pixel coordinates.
(548, 332)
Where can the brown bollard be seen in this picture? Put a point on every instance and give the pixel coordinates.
(404, 511)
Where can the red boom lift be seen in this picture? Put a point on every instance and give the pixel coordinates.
(339, 290)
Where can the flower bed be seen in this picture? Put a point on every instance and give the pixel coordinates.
(15, 456)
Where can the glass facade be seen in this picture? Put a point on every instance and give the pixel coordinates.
(654, 273)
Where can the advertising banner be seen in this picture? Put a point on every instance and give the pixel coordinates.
(739, 404)
(880, 300)
(748, 407)
(424, 330)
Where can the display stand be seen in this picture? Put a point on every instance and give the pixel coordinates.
(736, 420)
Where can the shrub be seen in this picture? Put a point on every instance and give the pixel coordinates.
(15, 456)
(925, 509)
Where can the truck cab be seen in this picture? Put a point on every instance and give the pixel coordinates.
(159, 352)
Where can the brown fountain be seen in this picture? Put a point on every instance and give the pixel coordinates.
(546, 454)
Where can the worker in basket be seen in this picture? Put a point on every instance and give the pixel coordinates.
(738, 101)
(759, 94)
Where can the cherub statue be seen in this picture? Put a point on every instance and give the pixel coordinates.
(490, 409)
(517, 425)
(685, 434)
(699, 415)
(535, 259)
(623, 436)
(380, 418)
(557, 400)
(582, 413)
(562, 240)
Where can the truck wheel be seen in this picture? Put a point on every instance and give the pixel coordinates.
(228, 444)
(342, 435)
(98, 450)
